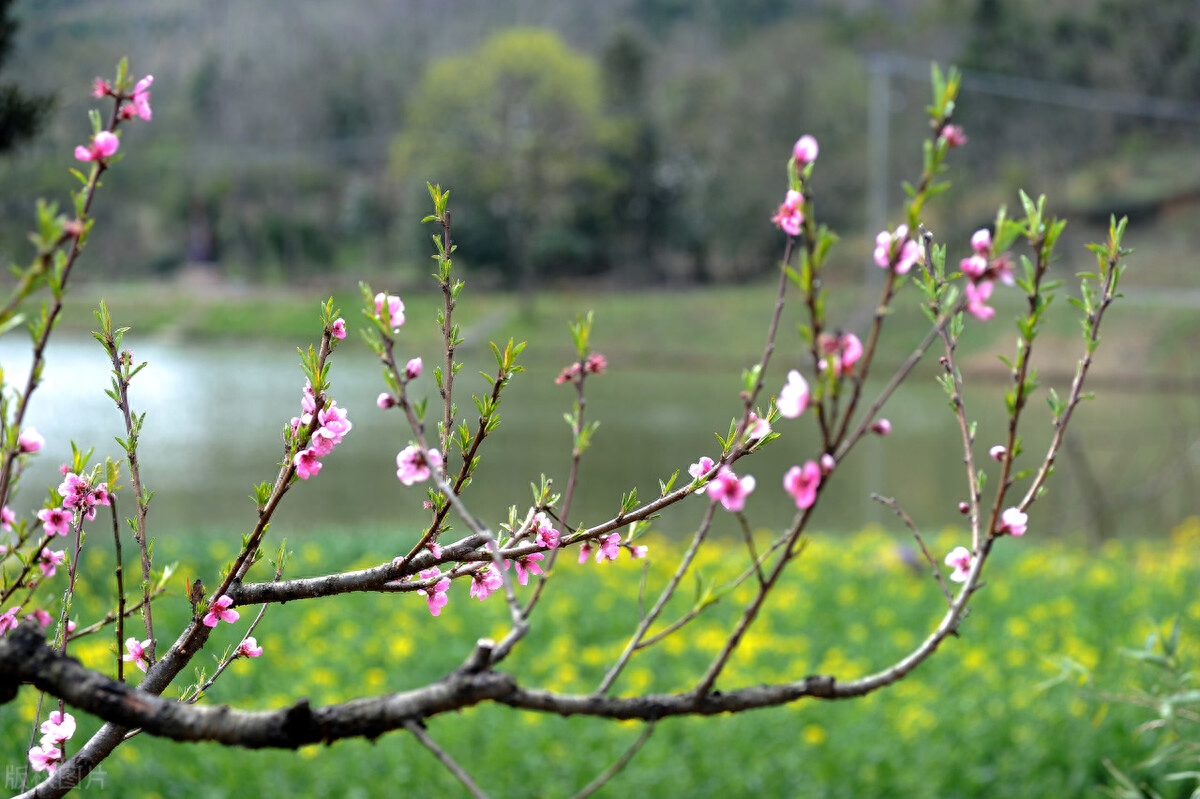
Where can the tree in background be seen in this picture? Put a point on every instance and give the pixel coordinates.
(21, 115)
(518, 124)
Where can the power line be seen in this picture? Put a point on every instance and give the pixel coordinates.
(1042, 91)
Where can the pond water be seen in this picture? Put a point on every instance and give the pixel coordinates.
(215, 412)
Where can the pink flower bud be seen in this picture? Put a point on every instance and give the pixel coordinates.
(338, 329)
(997, 453)
(30, 440)
(882, 427)
(981, 241)
(805, 150)
(827, 464)
(954, 135)
(964, 508)
(412, 369)
(385, 401)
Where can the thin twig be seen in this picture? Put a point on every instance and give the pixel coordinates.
(749, 538)
(120, 620)
(937, 573)
(605, 776)
(444, 758)
(668, 591)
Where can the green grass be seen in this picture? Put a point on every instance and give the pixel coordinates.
(975, 720)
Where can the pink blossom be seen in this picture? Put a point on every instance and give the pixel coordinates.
(103, 145)
(997, 452)
(584, 552)
(1002, 268)
(338, 329)
(249, 648)
(847, 348)
(100, 88)
(974, 267)
(793, 397)
(58, 728)
(608, 547)
(546, 535)
(395, 309)
(385, 401)
(7, 518)
(307, 463)
(881, 427)
(57, 521)
(73, 489)
(526, 566)
(140, 107)
(962, 560)
(595, 364)
(50, 561)
(802, 483)
(729, 490)
(323, 442)
(790, 215)
(308, 402)
(639, 551)
(896, 248)
(334, 423)
(1013, 522)
(434, 548)
(45, 758)
(30, 440)
(485, 582)
(568, 374)
(954, 135)
(756, 428)
(412, 369)
(41, 617)
(827, 463)
(220, 610)
(8, 620)
(137, 650)
(698, 470)
(414, 465)
(436, 597)
(981, 242)
(805, 150)
(977, 297)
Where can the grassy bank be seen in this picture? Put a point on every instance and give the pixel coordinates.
(977, 720)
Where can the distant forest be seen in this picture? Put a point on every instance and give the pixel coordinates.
(629, 142)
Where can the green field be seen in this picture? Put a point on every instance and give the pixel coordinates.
(976, 720)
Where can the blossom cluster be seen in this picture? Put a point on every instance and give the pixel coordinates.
(981, 269)
(790, 216)
(333, 426)
(78, 495)
(594, 364)
(896, 251)
(56, 731)
(105, 143)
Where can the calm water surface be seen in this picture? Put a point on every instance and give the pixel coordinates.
(215, 412)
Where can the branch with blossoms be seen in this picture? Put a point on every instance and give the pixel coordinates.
(828, 376)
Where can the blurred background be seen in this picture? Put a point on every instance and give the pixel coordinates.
(624, 156)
